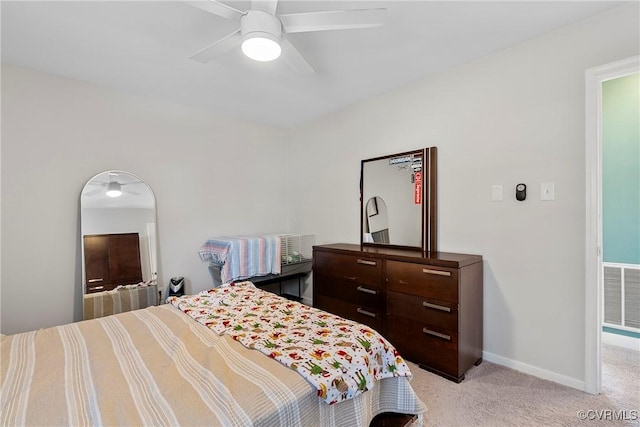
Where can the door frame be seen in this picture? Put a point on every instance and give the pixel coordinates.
(593, 242)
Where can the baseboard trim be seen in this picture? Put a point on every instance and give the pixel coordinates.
(535, 371)
(621, 341)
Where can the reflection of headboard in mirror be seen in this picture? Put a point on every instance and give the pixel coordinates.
(118, 232)
(398, 200)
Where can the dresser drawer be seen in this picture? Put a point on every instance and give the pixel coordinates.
(366, 295)
(425, 344)
(423, 280)
(443, 314)
(370, 316)
(356, 269)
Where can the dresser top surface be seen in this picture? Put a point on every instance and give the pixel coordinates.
(447, 259)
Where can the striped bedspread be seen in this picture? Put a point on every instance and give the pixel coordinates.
(243, 257)
(158, 367)
(119, 300)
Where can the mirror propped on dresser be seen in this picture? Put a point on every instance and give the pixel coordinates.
(118, 223)
(398, 200)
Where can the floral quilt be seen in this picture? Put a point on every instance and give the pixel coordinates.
(339, 357)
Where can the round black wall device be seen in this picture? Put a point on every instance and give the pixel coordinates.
(521, 192)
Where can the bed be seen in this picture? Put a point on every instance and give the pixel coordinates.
(122, 298)
(175, 364)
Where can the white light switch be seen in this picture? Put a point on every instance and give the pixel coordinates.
(547, 191)
(496, 193)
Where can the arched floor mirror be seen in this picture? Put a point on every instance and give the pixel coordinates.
(118, 224)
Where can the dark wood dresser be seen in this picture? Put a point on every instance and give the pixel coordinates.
(428, 305)
(111, 260)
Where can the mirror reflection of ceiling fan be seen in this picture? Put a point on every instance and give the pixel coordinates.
(114, 188)
(262, 33)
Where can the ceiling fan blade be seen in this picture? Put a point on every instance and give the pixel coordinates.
(339, 20)
(93, 192)
(294, 58)
(218, 48)
(266, 5)
(133, 193)
(218, 8)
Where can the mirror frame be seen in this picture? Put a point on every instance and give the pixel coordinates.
(429, 223)
(153, 257)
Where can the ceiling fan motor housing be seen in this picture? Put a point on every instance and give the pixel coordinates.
(258, 23)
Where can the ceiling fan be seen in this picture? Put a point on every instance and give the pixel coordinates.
(114, 188)
(262, 33)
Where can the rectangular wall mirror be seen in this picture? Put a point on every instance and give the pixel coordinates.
(398, 200)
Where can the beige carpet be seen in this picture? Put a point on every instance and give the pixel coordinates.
(492, 395)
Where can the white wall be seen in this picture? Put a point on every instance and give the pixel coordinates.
(211, 175)
(515, 116)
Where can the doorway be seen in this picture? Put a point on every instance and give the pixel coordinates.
(594, 79)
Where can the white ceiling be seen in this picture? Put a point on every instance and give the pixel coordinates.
(144, 47)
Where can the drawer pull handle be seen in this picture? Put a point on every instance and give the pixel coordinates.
(403, 282)
(437, 272)
(436, 306)
(366, 313)
(352, 278)
(436, 334)
(95, 280)
(366, 262)
(95, 288)
(367, 290)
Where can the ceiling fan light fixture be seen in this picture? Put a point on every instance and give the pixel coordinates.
(261, 33)
(114, 189)
(261, 47)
